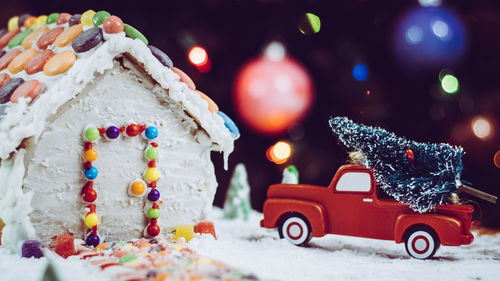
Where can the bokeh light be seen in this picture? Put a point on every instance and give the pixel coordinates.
(360, 72)
(496, 159)
(482, 128)
(198, 56)
(429, 3)
(449, 84)
(279, 152)
(309, 24)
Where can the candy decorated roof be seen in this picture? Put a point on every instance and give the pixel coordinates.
(46, 61)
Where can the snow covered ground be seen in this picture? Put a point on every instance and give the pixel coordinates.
(256, 250)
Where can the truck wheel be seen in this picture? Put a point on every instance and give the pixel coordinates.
(421, 242)
(295, 229)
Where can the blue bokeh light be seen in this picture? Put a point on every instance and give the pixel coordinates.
(360, 72)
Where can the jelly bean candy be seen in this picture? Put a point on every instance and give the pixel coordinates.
(4, 78)
(134, 33)
(13, 23)
(40, 20)
(28, 41)
(19, 38)
(59, 63)
(22, 18)
(9, 88)
(68, 35)
(205, 227)
(127, 258)
(161, 56)
(65, 246)
(184, 230)
(230, 125)
(87, 17)
(20, 61)
(31, 248)
(30, 89)
(5, 39)
(49, 37)
(3, 31)
(52, 18)
(8, 57)
(212, 106)
(87, 40)
(184, 78)
(63, 18)
(99, 17)
(29, 22)
(75, 19)
(37, 62)
(113, 24)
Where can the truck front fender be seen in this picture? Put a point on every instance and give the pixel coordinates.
(274, 209)
(448, 229)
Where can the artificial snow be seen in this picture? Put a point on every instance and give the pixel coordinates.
(257, 250)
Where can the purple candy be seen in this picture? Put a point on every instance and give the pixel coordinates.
(31, 248)
(154, 195)
(92, 240)
(112, 132)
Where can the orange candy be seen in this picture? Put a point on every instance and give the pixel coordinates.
(37, 62)
(30, 89)
(184, 78)
(90, 155)
(63, 18)
(137, 187)
(4, 78)
(59, 63)
(8, 57)
(20, 61)
(28, 41)
(29, 22)
(68, 35)
(113, 24)
(212, 106)
(49, 37)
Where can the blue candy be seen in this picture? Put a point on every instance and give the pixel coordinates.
(230, 125)
(91, 173)
(151, 132)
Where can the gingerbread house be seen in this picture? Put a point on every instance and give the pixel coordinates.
(100, 135)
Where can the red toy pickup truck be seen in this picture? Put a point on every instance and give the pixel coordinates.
(351, 205)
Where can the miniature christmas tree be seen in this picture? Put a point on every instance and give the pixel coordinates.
(50, 273)
(237, 204)
(290, 175)
(421, 175)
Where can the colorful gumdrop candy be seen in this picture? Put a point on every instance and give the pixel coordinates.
(59, 63)
(205, 227)
(9, 87)
(87, 17)
(52, 18)
(28, 41)
(161, 56)
(20, 61)
(31, 248)
(99, 17)
(29, 22)
(40, 20)
(6, 59)
(19, 38)
(37, 62)
(29, 90)
(13, 23)
(49, 37)
(68, 35)
(63, 18)
(65, 246)
(134, 33)
(113, 24)
(5, 39)
(22, 19)
(87, 40)
(184, 230)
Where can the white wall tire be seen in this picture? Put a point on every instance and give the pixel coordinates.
(421, 243)
(296, 230)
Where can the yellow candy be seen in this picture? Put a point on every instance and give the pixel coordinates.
(152, 174)
(13, 23)
(40, 20)
(28, 41)
(20, 61)
(91, 220)
(90, 155)
(87, 17)
(184, 230)
(68, 35)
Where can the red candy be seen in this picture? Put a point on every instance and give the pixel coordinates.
(205, 227)
(113, 24)
(133, 130)
(153, 230)
(36, 63)
(65, 246)
(49, 37)
(29, 89)
(90, 195)
(4, 78)
(63, 18)
(4, 40)
(7, 58)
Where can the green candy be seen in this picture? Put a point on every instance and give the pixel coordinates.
(122, 243)
(99, 17)
(134, 33)
(92, 133)
(151, 153)
(52, 18)
(153, 213)
(19, 38)
(127, 258)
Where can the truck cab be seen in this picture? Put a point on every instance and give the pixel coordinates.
(352, 205)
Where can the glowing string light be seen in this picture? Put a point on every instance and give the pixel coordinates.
(280, 152)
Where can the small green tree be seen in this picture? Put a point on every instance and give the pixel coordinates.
(237, 203)
(290, 175)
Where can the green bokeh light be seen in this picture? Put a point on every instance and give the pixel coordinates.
(309, 24)
(449, 84)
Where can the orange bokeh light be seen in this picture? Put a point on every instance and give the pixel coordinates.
(198, 56)
(496, 159)
(279, 152)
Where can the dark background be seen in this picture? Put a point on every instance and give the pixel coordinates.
(401, 101)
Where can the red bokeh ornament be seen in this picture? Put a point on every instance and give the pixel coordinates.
(273, 92)
(409, 155)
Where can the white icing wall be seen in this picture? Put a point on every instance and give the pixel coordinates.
(54, 164)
